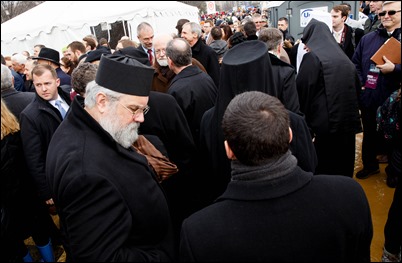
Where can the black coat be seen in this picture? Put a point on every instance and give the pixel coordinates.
(17, 100)
(110, 204)
(39, 120)
(166, 120)
(285, 90)
(208, 58)
(327, 84)
(235, 79)
(352, 38)
(301, 147)
(18, 197)
(65, 79)
(294, 218)
(195, 92)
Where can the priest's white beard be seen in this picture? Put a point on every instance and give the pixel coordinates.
(125, 136)
(162, 62)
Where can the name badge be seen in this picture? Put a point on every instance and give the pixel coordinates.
(372, 77)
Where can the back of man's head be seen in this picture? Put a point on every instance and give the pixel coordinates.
(216, 33)
(90, 42)
(82, 75)
(272, 37)
(180, 24)
(179, 51)
(256, 127)
(250, 29)
(6, 78)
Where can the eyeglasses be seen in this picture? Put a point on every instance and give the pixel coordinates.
(159, 51)
(137, 111)
(390, 12)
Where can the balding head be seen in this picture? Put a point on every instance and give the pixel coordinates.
(179, 52)
(161, 40)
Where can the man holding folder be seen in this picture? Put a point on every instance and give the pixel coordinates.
(378, 81)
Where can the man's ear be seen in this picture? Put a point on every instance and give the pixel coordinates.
(290, 135)
(229, 152)
(101, 101)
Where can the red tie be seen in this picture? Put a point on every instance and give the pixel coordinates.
(151, 60)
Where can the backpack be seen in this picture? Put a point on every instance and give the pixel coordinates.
(388, 117)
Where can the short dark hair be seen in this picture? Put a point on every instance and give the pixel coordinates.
(348, 6)
(341, 8)
(180, 24)
(284, 19)
(77, 45)
(256, 127)
(40, 46)
(216, 33)
(90, 42)
(250, 28)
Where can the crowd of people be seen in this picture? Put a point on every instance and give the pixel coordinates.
(227, 141)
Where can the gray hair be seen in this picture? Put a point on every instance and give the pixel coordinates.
(19, 58)
(6, 78)
(195, 28)
(272, 37)
(82, 75)
(93, 89)
(179, 51)
(142, 26)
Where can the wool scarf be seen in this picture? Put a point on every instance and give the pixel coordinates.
(273, 169)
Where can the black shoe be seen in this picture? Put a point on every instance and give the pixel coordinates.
(365, 173)
(392, 179)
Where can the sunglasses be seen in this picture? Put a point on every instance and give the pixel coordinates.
(390, 12)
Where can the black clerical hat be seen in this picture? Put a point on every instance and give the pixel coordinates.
(124, 74)
(96, 54)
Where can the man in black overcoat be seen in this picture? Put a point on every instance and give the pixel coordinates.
(271, 210)
(110, 203)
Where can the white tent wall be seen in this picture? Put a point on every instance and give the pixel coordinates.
(56, 24)
(56, 39)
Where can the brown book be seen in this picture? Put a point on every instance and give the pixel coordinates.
(391, 49)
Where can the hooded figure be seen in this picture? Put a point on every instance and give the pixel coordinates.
(327, 84)
(238, 74)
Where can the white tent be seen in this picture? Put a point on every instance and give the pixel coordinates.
(270, 4)
(55, 24)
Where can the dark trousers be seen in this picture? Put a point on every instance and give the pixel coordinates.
(393, 226)
(336, 154)
(371, 139)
